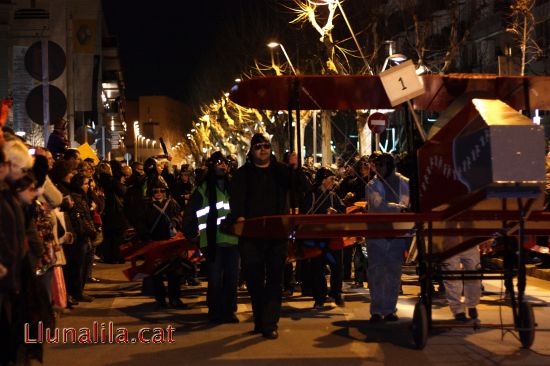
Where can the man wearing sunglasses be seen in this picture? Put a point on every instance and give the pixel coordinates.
(260, 188)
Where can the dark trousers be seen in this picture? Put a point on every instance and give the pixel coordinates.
(263, 265)
(174, 284)
(223, 277)
(289, 279)
(334, 261)
(11, 325)
(304, 276)
(76, 269)
(110, 248)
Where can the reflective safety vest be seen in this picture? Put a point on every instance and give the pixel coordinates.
(222, 205)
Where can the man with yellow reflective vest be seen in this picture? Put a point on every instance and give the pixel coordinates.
(208, 207)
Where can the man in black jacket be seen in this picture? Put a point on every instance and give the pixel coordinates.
(260, 188)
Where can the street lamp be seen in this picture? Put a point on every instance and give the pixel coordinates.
(395, 57)
(275, 44)
(136, 133)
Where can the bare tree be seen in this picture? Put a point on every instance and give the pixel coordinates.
(522, 27)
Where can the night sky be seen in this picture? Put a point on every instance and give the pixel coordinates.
(192, 50)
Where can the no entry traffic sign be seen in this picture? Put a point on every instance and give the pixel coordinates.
(377, 122)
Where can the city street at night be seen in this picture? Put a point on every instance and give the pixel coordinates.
(341, 336)
(275, 182)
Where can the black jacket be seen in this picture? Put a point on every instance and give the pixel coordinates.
(318, 202)
(113, 214)
(12, 240)
(259, 192)
(159, 224)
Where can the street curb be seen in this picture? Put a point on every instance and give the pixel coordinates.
(532, 270)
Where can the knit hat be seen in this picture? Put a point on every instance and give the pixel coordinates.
(217, 157)
(258, 138)
(321, 174)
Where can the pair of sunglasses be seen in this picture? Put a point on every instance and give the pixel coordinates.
(159, 190)
(262, 145)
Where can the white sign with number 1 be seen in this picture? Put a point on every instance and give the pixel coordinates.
(401, 83)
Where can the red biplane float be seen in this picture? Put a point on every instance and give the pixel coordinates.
(157, 255)
(480, 175)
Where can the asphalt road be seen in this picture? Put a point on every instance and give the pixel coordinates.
(334, 336)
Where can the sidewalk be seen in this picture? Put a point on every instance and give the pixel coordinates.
(532, 269)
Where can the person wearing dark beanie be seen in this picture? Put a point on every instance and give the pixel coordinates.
(260, 188)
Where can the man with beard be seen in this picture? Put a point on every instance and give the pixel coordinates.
(260, 188)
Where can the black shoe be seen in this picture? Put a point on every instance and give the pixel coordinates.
(177, 304)
(544, 265)
(71, 301)
(375, 318)
(391, 317)
(193, 282)
(472, 313)
(257, 330)
(271, 334)
(160, 305)
(339, 301)
(214, 320)
(93, 280)
(318, 305)
(288, 292)
(231, 319)
(307, 292)
(85, 298)
(461, 317)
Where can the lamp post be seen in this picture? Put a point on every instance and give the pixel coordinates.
(136, 133)
(291, 141)
(141, 140)
(396, 57)
(276, 44)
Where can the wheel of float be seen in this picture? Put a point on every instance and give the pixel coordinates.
(526, 324)
(420, 325)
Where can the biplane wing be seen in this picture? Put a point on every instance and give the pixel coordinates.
(312, 91)
(348, 92)
(155, 253)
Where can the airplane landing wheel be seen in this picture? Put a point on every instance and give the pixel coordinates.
(526, 324)
(420, 325)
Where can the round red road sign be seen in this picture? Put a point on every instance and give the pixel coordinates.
(377, 122)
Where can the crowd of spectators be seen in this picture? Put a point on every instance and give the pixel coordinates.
(60, 215)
